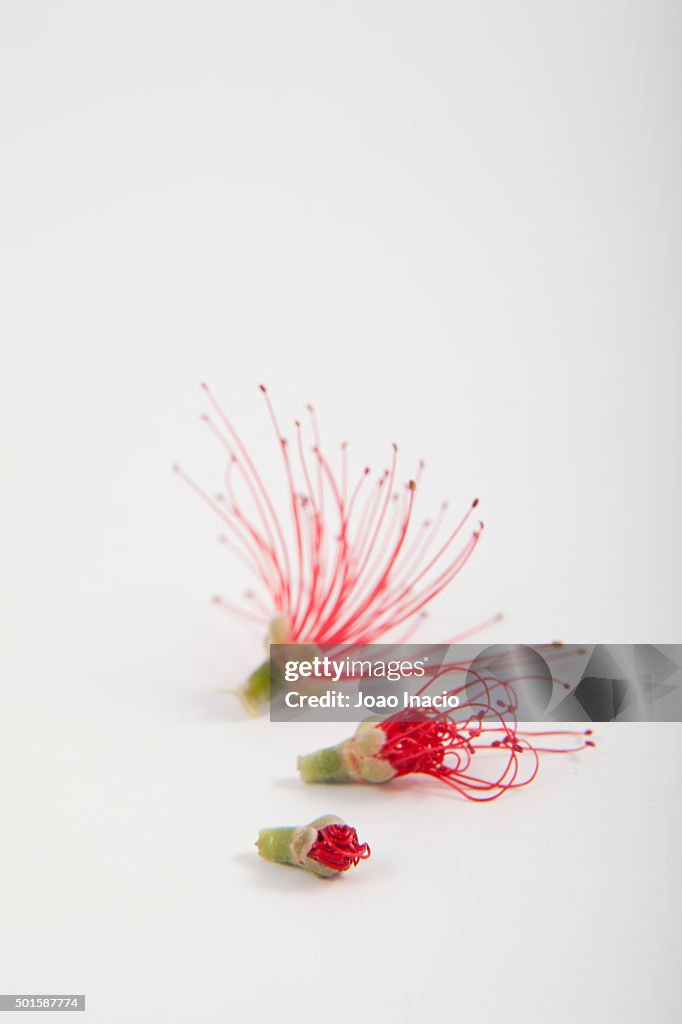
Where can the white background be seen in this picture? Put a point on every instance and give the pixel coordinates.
(456, 226)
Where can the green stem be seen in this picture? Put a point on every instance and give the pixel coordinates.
(275, 844)
(323, 766)
(259, 685)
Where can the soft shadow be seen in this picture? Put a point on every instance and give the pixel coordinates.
(290, 783)
(282, 877)
(216, 705)
(424, 787)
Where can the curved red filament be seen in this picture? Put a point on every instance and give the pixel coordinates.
(338, 847)
(438, 746)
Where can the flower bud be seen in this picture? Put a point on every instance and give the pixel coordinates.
(326, 847)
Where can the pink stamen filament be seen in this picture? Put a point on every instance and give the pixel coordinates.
(359, 570)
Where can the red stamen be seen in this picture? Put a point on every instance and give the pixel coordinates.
(438, 746)
(338, 847)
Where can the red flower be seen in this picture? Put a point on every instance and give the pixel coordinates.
(343, 563)
(432, 743)
(326, 847)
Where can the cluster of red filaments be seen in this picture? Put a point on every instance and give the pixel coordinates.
(338, 847)
(446, 749)
(344, 565)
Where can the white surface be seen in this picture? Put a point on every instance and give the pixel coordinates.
(129, 872)
(454, 226)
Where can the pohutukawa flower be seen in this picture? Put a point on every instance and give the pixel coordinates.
(436, 745)
(343, 563)
(326, 847)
